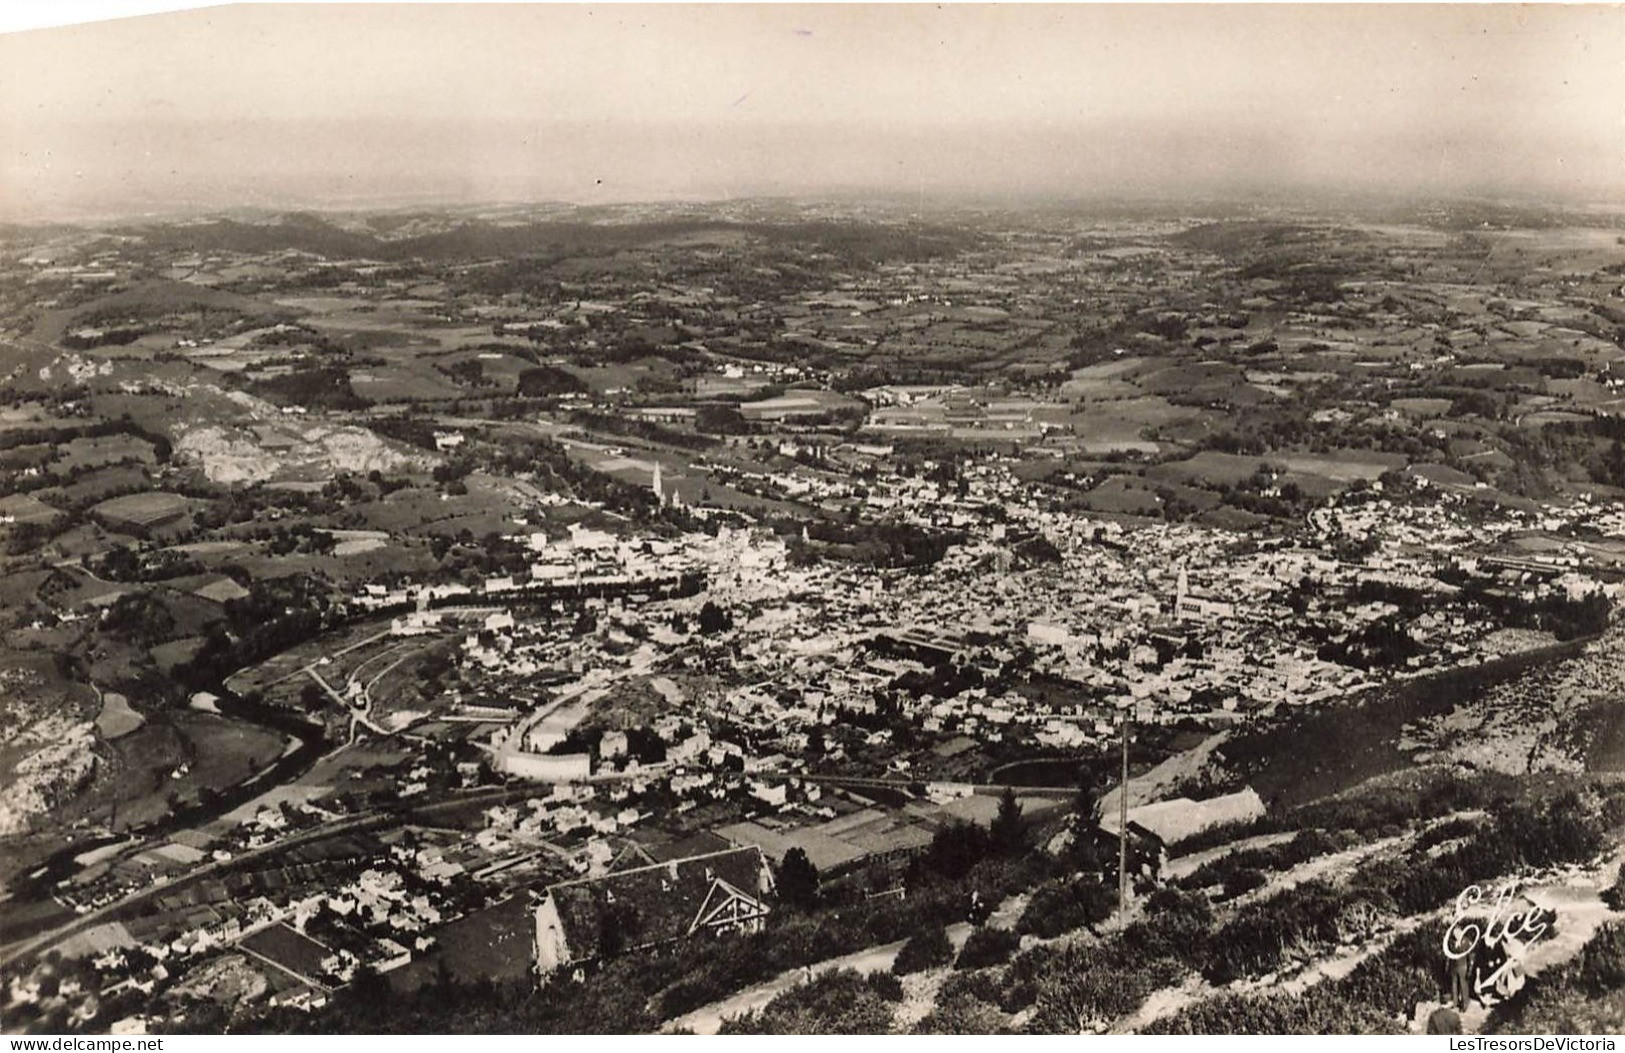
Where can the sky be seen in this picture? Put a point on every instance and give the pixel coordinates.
(287, 105)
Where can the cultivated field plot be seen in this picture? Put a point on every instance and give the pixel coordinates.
(103, 450)
(1124, 496)
(26, 508)
(144, 511)
(1339, 466)
(224, 752)
(117, 719)
(400, 384)
(424, 512)
(1209, 468)
(101, 484)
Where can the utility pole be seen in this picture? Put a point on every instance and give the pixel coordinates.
(1122, 829)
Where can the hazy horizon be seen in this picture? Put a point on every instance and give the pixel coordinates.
(293, 106)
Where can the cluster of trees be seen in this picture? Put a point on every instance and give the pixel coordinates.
(547, 381)
(124, 564)
(278, 613)
(412, 430)
(469, 372)
(636, 428)
(959, 848)
(140, 618)
(1384, 643)
(301, 538)
(315, 387)
(886, 545)
(1565, 617)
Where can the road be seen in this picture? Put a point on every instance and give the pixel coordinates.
(374, 819)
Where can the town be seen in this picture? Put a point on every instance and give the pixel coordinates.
(387, 599)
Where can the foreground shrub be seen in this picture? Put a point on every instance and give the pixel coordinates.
(1614, 895)
(1092, 990)
(1243, 881)
(962, 1016)
(1315, 1012)
(1601, 965)
(924, 950)
(988, 946)
(1061, 906)
(1407, 971)
(983, 985)
(1586, 996)
(842, 1002)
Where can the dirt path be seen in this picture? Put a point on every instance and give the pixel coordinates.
(707, 1019)
(1184, 866)
(1194, 989)
(1334, 865)
(1575, 895)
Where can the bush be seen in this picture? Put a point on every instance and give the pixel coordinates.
(1061, 906)
(988, 946)
(1449, 830)
(1602, 961)
(1313, 914)
(1171, 901)
(1405, 972)
(962, 1016)
(925, 950)
(983, 985)
(886, 987)
(1081, 987)
(1239, 871)
(1614, 895)
(1316, 1012)
(1243, 881)
(841, 1002)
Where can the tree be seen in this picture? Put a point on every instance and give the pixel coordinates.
(797, 880)
(120, 564)
(1616, 463)
(955, 849)
(714, 619)
(1009, 828)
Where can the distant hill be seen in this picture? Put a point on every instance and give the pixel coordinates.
(304, 232)
(228, 235)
